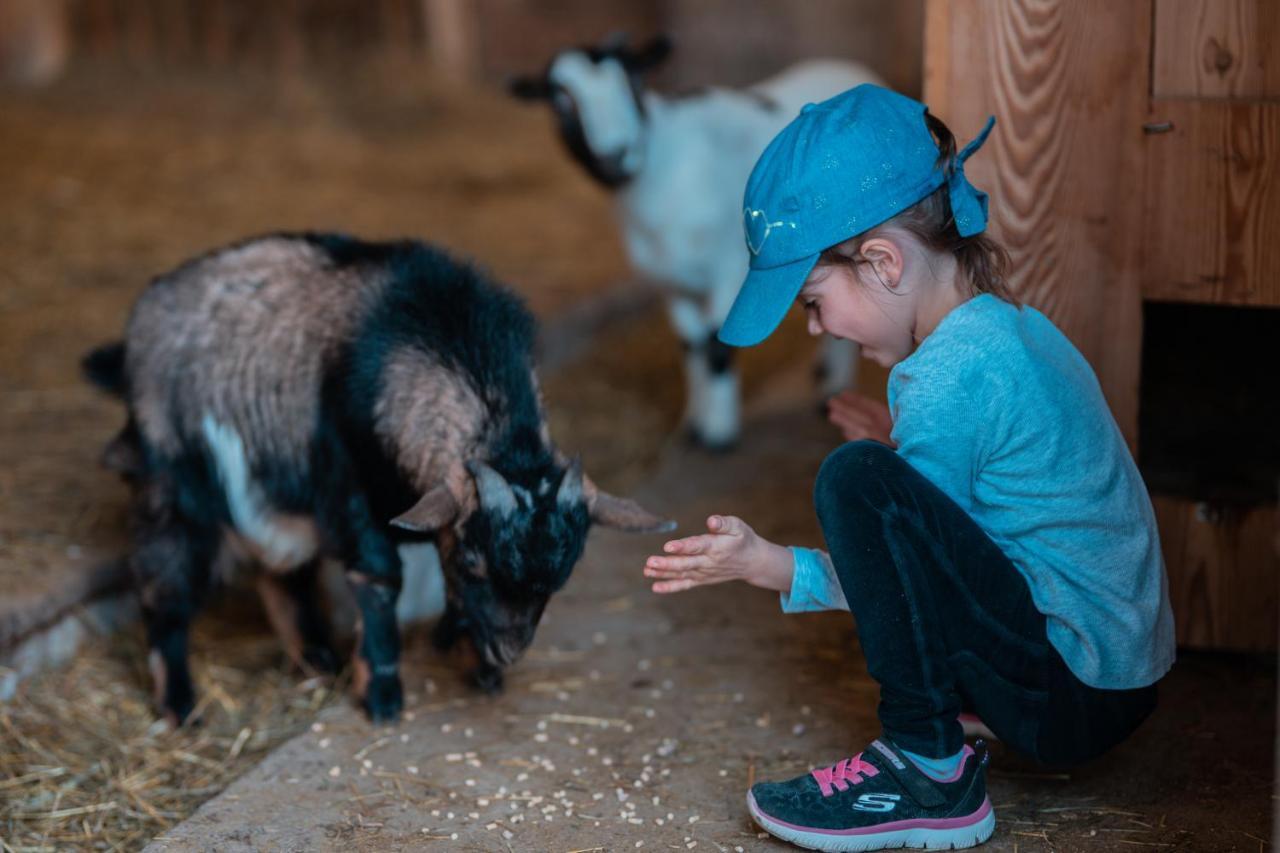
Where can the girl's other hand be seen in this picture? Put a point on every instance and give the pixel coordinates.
(858, 417)
(729, 551)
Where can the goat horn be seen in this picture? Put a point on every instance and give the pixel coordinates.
(571, 487)
(494, 491)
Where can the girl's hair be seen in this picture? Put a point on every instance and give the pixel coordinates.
(983, 260)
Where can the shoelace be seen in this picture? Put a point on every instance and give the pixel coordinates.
(839, 776)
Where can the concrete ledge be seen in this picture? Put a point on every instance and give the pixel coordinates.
(57, 642)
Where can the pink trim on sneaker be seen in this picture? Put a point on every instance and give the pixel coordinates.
(847, 771)
(964, 757)
(895, 826)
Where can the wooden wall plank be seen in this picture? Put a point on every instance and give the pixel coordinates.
(1213, 203)
(1068, 84)
(1216, 49)
(1224, 574)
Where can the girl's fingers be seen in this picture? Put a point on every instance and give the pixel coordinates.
(725, 525)
(675, 564)
(688, 545)
(673, 586)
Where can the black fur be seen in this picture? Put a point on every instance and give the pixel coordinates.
(104, 367)
(719, 355)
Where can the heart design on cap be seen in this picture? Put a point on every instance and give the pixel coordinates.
(757, 226)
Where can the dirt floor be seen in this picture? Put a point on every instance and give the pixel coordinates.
(634, 720)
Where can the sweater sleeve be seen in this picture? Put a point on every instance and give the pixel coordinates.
(814, 585)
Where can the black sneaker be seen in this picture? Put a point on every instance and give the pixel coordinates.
(879, 799)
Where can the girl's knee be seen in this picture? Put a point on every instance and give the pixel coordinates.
(849, 469)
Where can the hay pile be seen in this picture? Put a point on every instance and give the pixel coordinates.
(85, 764)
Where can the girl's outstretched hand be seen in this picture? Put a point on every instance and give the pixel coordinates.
(729, 551)
(859, 417)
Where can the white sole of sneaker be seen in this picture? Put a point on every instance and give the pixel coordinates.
(923, 834)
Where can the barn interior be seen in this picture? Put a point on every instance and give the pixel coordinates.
(1132, 177)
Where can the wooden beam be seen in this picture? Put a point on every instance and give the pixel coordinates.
(453, 37)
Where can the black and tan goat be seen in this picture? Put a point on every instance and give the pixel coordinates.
(296, 397)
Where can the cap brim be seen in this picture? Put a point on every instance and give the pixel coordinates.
(763, 302)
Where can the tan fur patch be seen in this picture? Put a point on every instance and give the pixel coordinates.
(431, 421)
(243, 335)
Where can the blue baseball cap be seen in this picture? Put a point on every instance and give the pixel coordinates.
(838, 169)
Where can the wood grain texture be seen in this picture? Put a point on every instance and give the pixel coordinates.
(1216, 49)
(1068, 85)
(1213, 203)
(1224, 574)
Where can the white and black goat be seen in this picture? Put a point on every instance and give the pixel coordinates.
(679, 168)
(296, 397)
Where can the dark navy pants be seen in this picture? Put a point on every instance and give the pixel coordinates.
(947, 622)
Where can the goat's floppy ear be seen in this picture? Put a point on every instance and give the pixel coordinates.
(622, 513)
(434, 510)
(529, 88)
(650, 55)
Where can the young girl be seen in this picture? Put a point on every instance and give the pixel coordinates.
(997, 548)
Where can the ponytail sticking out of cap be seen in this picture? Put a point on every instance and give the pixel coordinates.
(937, 223)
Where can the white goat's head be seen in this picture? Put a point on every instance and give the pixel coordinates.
(597, 96)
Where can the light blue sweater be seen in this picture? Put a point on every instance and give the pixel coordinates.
(1004, 415)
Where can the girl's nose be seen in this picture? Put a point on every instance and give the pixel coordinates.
(815, 326)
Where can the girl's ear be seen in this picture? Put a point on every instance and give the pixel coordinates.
(884, 257)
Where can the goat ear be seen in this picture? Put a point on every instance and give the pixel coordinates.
(529, 88)
(622, 513)
(651, 54)
(433, 511)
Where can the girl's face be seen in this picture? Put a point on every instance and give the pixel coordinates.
(879, 316)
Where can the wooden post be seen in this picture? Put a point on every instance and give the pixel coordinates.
(34, 40)
(453, 37)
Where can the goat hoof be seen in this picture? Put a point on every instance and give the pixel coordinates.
(179, 702)
(384, 699)
(487, 679)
